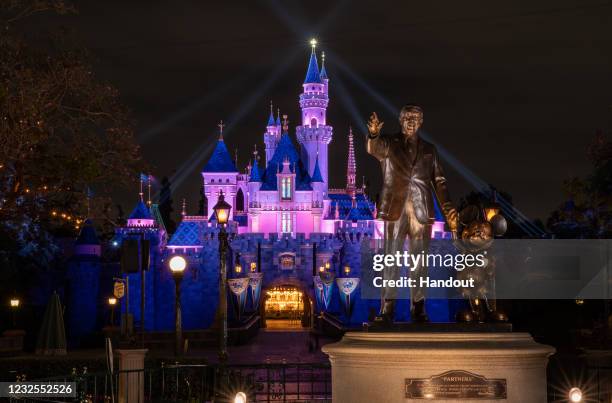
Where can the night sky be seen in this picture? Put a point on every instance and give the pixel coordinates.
(514, 90)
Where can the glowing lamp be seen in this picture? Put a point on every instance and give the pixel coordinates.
(347, 270)
(15, 302)
(238, 268)
(313, 42)
(240, 397)
(321, 269)
(575, 395)
(177, 264)
(327, 265)
(253, 267)
(112, 301)
(222, 210)
(579, 302)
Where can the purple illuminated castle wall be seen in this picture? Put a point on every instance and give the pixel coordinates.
(290, 193)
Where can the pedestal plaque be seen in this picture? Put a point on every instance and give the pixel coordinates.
(456, 385)
(438, 366)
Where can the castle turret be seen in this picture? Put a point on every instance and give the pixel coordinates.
(351, 167)
(272, 134)
(220, 174)
(314, 134)
(83, 284)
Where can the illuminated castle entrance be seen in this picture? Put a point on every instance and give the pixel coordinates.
(284, 307)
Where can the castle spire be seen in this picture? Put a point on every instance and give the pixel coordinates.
(271, 118)
(323, 74)
(351, 166)
(312, 74)
(221, 126)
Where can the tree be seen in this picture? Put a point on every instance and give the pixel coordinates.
(63, 133)
(587, 211)
(165, 205)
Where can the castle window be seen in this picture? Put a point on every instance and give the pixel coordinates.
(286, 223)
(286, 188)
(313, 122)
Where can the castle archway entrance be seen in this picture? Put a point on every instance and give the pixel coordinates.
(286, 307)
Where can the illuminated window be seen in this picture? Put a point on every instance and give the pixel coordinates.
(286, 223)
(286, 188)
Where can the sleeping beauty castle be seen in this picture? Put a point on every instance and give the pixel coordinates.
(297, 246)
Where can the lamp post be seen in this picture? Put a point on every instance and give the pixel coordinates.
(222, 211)
(112, 301)
(177, 267)
(15, 302)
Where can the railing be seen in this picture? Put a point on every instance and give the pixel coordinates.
(202, 383)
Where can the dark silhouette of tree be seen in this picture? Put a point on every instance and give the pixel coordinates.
(165, 205)
(587, 211)
(62, 133)
(203, 202)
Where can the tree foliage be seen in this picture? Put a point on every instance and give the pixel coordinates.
(66, 140)
(587, 212)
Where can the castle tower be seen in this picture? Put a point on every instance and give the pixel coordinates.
(253, 187)
(220, 174)
(83, 284)
(314, 134)
(272, 134)
(351, 167)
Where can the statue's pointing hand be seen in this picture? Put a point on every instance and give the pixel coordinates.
(374, 125)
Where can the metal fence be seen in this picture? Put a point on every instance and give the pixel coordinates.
(202, 383)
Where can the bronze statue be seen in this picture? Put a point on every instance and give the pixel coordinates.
(477, 234)
(412, 175)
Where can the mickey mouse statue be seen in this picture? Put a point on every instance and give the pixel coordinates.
(476, 237)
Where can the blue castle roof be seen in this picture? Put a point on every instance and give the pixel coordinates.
(285, 150)
(363, 210)
(271, 119)
(220, 160)
(323, 74)
(88, 235)
(437, 213)
(313, 75)
(255, 174)
(189, 233)
(316, 174)
(141, 212)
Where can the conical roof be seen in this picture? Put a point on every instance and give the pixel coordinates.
(285, 150)
(220, 160)
(255, 174)
(141, 212)
(88, 235)
(313, 75)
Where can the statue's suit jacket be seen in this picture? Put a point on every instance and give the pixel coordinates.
(404, 178)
